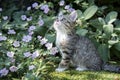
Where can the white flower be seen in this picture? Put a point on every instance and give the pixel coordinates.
(31, 33)
(46, 10)
(62, 2)
(13, 68)
(29, 19)
(35, 54)
(11, 31)
(0, 33)
(34, 5)
(71, 10)
(16, 43)
(0, 9)
(54, 50)
(39, 37)
(27, 54)
(43, 41)
(40, 22)
(31, 28)
(3, 38)
(12, 60)
(23, 17)
(31, 67)
(43, 7)
(48, 45)
(27, 38)
(28, 8)
(4, 72)
(67, 6)
(5, 17)
(10, 54)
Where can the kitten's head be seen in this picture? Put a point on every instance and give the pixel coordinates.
(65, 23)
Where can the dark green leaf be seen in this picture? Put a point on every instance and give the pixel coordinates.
(48, 21)
(111, 17)
(82, 32)
(104, 52)
(117, 30)
(98, 23)
(79, 12)
(78, 1)
(117, 46)
(117, 23)
(115, 52)
(50, 37)
(91, 1)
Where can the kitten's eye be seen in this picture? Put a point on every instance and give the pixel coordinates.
(57, 19)
(63, 19)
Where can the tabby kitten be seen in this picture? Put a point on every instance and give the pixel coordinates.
(77, 50)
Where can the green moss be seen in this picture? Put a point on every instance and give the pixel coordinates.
(86, 75)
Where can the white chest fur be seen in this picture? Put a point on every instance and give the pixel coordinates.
(60, 38)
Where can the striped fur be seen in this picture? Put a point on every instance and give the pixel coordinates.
(77, 50)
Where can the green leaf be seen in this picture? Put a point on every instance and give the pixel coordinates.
(41, 30)
(78, 1)
(104, 52)
(95, 42)
(108, 29)
(79, 12)
(48, 21)
(81, 32)
(19, 25)
(115, 52)
(15, 79)
(10, 10)
(90, 12)
(3, 24)
(111, 17)
(97, 23)
(114, 39)
(117, 46)
(50, 37)
(117, 30)
(101, 20)
(91, 1)
(17, 15)
(111, 42)
(117, 24)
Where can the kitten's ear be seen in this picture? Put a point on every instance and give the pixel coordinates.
(73, 16)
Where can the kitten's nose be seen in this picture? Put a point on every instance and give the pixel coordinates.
(57, 20)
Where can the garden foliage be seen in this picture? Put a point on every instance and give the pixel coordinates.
(27, 38)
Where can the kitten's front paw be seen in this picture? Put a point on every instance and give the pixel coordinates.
(60, 69)
(81, 69)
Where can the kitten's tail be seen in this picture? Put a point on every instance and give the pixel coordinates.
(112, 68)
